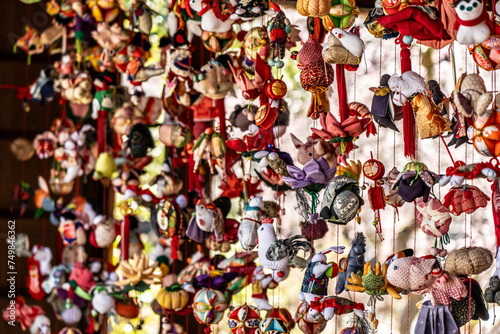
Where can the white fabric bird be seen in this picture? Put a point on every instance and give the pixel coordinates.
(350, 41)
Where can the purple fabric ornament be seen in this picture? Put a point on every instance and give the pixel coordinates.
(314, 172)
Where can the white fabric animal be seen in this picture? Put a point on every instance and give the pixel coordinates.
(350, 41)
(472, 19)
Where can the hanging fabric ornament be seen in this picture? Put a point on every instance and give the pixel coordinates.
(466, 199)
(244, 319)
(433, 218)
(309, 323)
(374, 170)
(484, 133)
(209, 306)
(342, 14)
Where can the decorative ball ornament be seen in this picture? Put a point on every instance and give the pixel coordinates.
(244, 319)
(308, 323)
(485, 133)
(343, 14)
(209, 306)
(283, 314)
(373, 169)
(276, 89)
(273, 326)
(256, 42)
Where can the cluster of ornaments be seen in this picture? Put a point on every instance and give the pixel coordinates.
(110, 131)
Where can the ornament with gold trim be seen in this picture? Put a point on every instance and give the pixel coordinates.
(276, 89)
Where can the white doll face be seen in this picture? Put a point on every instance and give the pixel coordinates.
(469, 9)
(204, 218)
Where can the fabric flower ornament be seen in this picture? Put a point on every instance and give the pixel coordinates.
(465, 199)
(315, 174)
(341, 132)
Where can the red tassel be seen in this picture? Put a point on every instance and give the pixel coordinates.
(208, 330)
(408, 117)
(101, 131)
(125, 232)
(175, 247)
(342, 92)
(495, 200)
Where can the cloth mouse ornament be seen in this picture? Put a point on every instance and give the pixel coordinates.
(470, 95)
(261, 282)
(210, 222)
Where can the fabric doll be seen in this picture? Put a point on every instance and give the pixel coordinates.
(411, 87)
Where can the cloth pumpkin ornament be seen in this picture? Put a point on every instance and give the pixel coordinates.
(313, 8)
(209, 306)
(465, 199)
(173, 298)
(432, 217)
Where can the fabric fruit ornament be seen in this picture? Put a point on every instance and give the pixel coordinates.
(309, 322)
(173, 298)
(316, 78)
(485, 133)
(313, 8)
(209, 306)
(244, 319)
